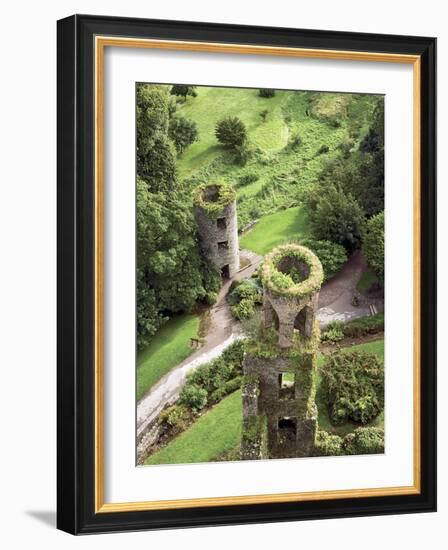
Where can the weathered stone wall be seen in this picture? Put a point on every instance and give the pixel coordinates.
(275, 403)
(220, 229)
(283, 359)
(284, 314)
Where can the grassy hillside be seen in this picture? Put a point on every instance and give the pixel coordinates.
(169, 347)
(218, 431)
(287, 146)
(275, 229)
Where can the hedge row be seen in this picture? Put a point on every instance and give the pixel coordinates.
(362, 441)
(336, 330)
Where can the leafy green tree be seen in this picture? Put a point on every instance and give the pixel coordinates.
(183, 132)
(231, 132)
(331, 255)
(169, 277)
(266, 92)
(337, 217)
(183, 90)
(156, 156)
(373, 244)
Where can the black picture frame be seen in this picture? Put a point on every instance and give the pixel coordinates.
(76, 272)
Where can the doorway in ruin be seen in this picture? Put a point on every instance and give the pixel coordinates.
(225, 272)
(300, 321)
(287, 430)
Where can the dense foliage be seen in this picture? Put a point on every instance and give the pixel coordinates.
(332, 256)
(205, 386)
(362, 441)
(182, 90)
(243, 298)
(373, 245)
(183, 132)
(354, 386)
(337, 330)
(336, 216)
(171, 274)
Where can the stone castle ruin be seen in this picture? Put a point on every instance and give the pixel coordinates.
(215, 213)
(279, 411)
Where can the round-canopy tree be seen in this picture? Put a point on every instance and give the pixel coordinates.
(183, 132)
(231, 132)
(183, 90)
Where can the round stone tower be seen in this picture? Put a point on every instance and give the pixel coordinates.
(279, 411)
(292, 276)
(215, 213)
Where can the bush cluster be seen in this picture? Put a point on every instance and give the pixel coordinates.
(247, 179)
(209, 383)
(363, 441)
(354, 386)
(336, 330)
(243, 297)
(332, 256)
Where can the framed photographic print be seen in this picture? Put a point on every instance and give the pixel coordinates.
(246, 274)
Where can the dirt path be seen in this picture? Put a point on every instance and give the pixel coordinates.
(336, 296)
(222, 330)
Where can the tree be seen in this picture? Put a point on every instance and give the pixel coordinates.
(373, 244)
(183, 132)
(169, 277)
(183, 90)
(156, 157)
(332, 256)
(266, 92)
(337, 217)
(231, 132)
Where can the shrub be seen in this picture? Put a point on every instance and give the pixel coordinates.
(264, 115)
(244, 310)
(294, 142)
(373, 245)
(247, 179)
(332, 256)
(242, 153)
(364, 325)
(228, 387)
(183, 90)
(364, 441)
(333, 332)
(328, 445)
(248, 288)
(322, 150)
(175, 418)
(266, 92)
(193, 397)
(354, 386)
(231, 132)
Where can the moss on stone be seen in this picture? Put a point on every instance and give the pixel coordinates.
(213, 197)
(289, 284)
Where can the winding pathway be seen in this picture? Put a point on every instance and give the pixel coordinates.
(335, 303)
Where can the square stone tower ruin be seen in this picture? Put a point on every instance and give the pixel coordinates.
(215, 213)
(279, 410)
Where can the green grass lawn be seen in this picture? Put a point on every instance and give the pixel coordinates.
(276, 229)
(170, 346)
(367, 280)
(213, 104)
(216, 432)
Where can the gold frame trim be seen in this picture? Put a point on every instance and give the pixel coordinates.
(101, 42)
